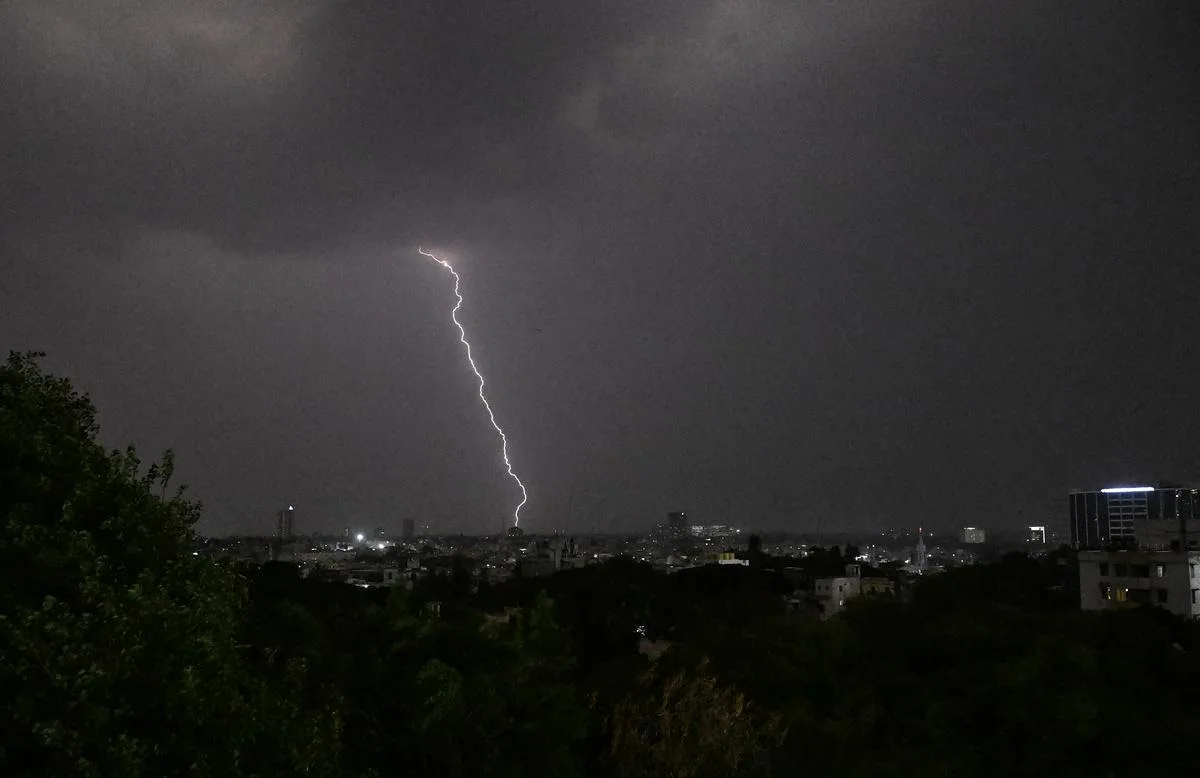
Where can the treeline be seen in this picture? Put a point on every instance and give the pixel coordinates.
(121, 654)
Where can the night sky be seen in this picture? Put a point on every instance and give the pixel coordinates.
(861, 264)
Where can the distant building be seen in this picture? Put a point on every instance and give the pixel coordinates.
(730, 558)
(380, 533)
(712, 531)
(1037, 535)
(285, 524)
(1110, 580)
(410, 529)
(1116, 517)
(832, 594)
(375, 577)
(677, 525)
(972, 535)
(550, 556)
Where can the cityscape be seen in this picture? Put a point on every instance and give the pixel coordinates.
(718, 389)
(1126, 543)
(373, 557)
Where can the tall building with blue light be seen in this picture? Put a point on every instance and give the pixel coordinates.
(1132, 516)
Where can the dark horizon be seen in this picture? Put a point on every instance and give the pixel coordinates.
(881, 265)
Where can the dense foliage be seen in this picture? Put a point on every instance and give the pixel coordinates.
(121, 654)
(119, 651)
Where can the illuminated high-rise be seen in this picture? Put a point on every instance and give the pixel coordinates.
(285, 525)
(1134, 516)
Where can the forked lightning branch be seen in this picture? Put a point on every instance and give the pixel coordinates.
(462, 336)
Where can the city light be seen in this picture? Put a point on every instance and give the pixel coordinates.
(1122, 489)
(359, 537)
(462, 336)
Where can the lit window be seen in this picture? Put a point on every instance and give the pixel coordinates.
(1105, 590)
(1122, 594)
(1159, 571)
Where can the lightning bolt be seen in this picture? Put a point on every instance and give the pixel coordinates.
(462, 336)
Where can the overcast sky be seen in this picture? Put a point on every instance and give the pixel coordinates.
(867, 264)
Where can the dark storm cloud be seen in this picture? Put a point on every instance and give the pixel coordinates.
(270, 124)
(869, 261)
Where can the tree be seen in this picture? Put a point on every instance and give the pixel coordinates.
(118, 648)
(687, 725)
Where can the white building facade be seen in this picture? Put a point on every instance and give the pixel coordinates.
(1110, 580)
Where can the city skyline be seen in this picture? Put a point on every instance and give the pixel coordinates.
(799, 264)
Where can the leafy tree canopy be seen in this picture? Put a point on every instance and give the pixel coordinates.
(118, 649)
